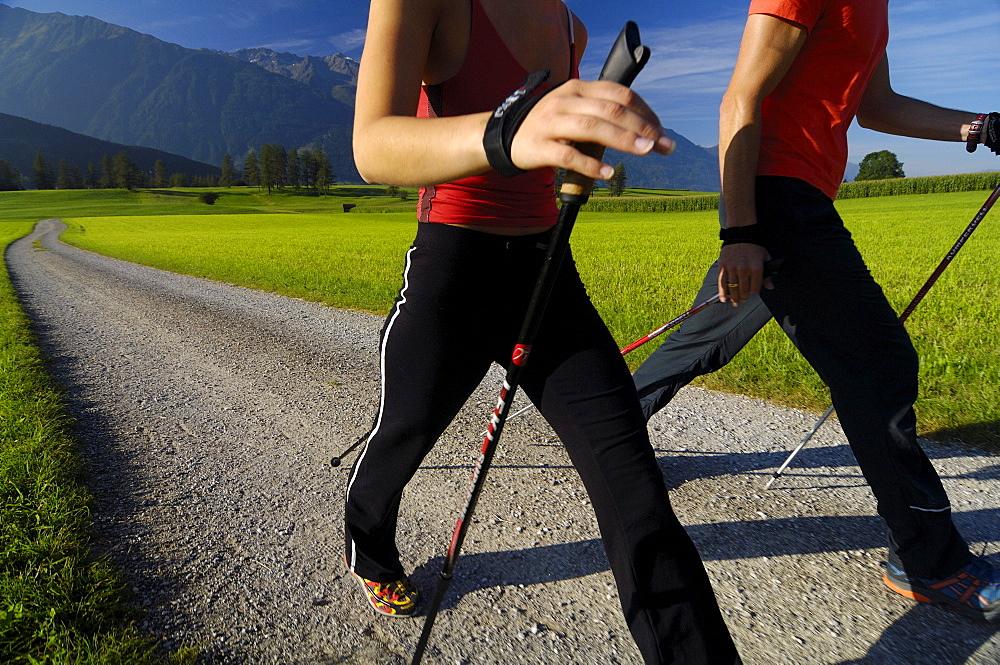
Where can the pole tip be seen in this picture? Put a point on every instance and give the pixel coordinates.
(335, 462)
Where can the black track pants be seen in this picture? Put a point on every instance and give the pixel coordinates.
(835, 313)
(460, 309)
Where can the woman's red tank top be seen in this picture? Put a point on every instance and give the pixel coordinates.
(488, 75)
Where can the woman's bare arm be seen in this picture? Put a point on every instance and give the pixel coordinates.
(393, 147)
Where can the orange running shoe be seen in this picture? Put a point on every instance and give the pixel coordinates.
(973, 589)
(398, 598)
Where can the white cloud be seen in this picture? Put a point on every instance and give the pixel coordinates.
(347, 41)
(686, 75)
(297, 46)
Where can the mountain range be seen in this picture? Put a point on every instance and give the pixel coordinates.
(115, 84)
(21, 140)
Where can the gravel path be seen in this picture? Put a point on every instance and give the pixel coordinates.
(208, 414)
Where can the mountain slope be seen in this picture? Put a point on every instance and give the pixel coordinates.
(119, 85)
(21, 140)
(689, 166)
(334, 75)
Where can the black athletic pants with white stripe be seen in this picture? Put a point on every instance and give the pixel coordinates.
(462, 303)
(835, 313)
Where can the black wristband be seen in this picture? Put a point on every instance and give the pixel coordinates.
(506, 120)
(991, 133)
(735, 235)
(975, 129)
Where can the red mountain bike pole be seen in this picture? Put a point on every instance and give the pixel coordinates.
(906, 313)
(627, 58)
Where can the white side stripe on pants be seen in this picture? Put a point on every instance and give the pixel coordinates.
(381, 407)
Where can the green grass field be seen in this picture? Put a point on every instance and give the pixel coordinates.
(642, 269)
(58, 604)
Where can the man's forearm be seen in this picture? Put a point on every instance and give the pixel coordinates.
(906, 116)
(739, 151)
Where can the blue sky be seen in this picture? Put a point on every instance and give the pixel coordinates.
(942, 52)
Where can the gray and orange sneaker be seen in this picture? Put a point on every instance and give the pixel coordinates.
(398, 598)
(974, 589)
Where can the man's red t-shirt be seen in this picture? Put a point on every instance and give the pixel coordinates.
(806, 117)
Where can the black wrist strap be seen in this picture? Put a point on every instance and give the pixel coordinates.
(506, 120)
(741, 234)
(975, 129)
(991, 133)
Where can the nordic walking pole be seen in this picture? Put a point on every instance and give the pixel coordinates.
(642, 340)
(906, 312)
(335, 462)
(653, 334)
(627, 58)
(770, 268)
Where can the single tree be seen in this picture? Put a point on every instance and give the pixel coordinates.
(10, 178)
(280, 166)
(107, 173)
(294, 176)
(92, 180)
(267, 166)
(251, 169)
(41, 173)
(160, 176)
(273, 166)
(324, 173)
(75, 179)
(62, 175)
(616, 183)
(228, 171)
(124, 174)
(307, 168)
(879, 166)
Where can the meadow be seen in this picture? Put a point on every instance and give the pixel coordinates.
(642, 269)
(60, 604)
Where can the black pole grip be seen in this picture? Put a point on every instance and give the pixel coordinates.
(627, 58)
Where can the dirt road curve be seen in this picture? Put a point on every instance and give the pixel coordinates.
(208, 414)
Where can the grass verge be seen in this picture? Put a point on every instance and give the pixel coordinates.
(58, 603)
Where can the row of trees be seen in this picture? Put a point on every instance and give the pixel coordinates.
(118, 172)
(276, 167)
(879, 165)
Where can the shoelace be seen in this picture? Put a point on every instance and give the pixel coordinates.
(969, 583)
(391, 591)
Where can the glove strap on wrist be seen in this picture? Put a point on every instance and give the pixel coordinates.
(741, 234)
(991, 133)
(506, 120)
